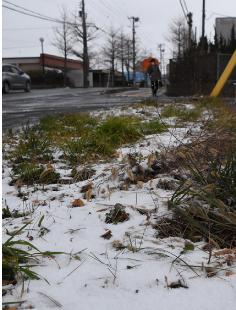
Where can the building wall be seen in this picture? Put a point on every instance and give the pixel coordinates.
(26, 64)
(74, 67)
(58, 62)
(224, 26)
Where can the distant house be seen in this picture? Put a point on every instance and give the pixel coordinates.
(102, 78)
(51, 62)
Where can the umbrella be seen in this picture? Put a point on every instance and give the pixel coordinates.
(147, 62)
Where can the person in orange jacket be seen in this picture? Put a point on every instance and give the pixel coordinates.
(154, 75)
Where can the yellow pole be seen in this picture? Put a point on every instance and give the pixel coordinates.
(224, 76)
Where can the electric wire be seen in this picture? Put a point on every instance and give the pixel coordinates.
(44, 17)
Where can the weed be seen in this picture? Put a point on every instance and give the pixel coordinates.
(33, 146)
(31, 173)
(153, 127)
(7, 213)
(62, 128)
(147, 102)
(204, 207)
(102, 141)
(73, 151)
(120, 130)
(18, 262)
(183, 114)
(117, 214)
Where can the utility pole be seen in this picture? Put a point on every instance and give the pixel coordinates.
(128, 60)
(190, 26)
(179, 41)
(162, 51)
(85, 46)
(203, 19)
(43, 60)
(122, 56)
(134, 20)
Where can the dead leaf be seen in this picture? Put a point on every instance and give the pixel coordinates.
(230, 260)
(101, 210)
(89, 194)
(177, 284)
(49, 166)
(18, 183)
(225, 252)
(131, 175)
(140, 184)
(77, 203)
(107, 235)
(114, 173)
(118, 245)
(229, 273)
(86, 187)
(210, 271)
(8, 282)
(151, 158)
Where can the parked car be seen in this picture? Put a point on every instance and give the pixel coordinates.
(14, 78)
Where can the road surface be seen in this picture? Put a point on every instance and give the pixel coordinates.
(19, 108)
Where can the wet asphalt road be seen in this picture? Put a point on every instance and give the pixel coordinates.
(19, 108)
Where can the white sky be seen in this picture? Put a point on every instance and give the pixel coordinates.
(21, 33)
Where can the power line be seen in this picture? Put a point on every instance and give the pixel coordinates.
(13, 47)
(28, 14)
(186, 8)
(183, 9)
(46, 18)
(25, 28)
(25, 9)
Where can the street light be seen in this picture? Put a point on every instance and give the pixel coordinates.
(42, 41)
(134, 20)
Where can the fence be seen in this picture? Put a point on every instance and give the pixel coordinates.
(197, 75)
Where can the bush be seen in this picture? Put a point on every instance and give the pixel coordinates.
(51, 78)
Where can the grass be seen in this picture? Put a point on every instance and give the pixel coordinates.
(30, 173)
(33, 146)
(153, 127)
(147, 102)
(102, 140)
(80, 137)
(18, 260)
(84, 138)
(204, 206)
(182, 114)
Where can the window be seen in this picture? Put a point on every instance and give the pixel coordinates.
(14, 70)
(6, 69)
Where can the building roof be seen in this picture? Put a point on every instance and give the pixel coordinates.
(51, 61)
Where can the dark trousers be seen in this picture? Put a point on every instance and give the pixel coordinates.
(154, 86)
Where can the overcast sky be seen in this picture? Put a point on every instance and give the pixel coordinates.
(21, 33)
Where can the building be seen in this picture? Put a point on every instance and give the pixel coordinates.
(224, 27)
(51, 62)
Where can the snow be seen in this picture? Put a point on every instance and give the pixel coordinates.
(104, 278)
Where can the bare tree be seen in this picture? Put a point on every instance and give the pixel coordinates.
(63, 39)
(121, 54)
(128, 56)
(178, 36)
(83, 33)
(110, 52)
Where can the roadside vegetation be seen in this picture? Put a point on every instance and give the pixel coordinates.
(78, 138)
(202, 206)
